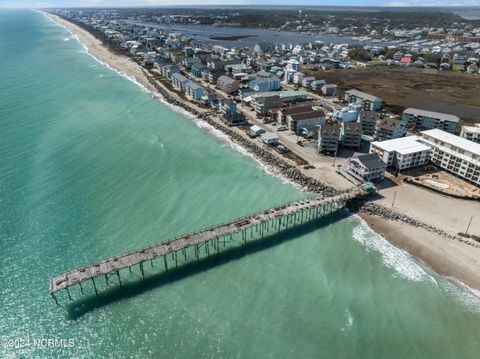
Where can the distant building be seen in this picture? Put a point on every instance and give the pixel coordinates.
(329, 90)
(328, 137)
(293, 64)
(263, 47)
(389, 128)
(349, 113)
(471, 133)
(402, 153)
(368, 121)
(211, 76)
(316, 85)
(228, 84)
(198, 69)
(298, 78)
(307, 81)
(425, 120)
(265, 84)
(369, 102)
(188, 62)
(454, 154)
(351, 133)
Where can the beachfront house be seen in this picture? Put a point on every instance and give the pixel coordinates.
(195, 91)
(364, 168)
(180, 82)
(168, 70)
(255, 131)
(270, 138)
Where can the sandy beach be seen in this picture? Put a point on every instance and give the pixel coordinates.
(448, 257)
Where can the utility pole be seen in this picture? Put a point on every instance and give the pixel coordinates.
(394, 196)
(468, 227)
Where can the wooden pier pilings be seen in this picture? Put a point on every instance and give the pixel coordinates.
(278, 218)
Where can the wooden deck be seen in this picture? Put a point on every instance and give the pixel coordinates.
(127, 260)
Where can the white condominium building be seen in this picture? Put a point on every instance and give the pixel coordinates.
(471, 133)
(454, 154)
(402, 153)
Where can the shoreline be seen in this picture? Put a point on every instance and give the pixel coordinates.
(446, 254)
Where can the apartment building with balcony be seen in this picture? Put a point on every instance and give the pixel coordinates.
(369, 102)
(454, 154)
(425, 120)
(402, 153)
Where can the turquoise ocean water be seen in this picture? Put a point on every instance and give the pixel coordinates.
(91, 166)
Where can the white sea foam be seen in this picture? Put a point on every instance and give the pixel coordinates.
(393, 257)
(86, 50)
(468, 297)
(271, 170)
(408, 268)
(349, 321)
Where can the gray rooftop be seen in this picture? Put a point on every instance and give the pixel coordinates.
(179, 77)
(363, 95)
(371, 161)
(431, 114)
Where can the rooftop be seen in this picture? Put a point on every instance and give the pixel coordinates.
(307, 115)
(226, 79)
(194, 86)
(424, 113)
(363, 95)
(453, 140)
(370, 160)
(179, 77)
(402, 145)
(472, 129)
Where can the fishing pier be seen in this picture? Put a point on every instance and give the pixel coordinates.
(277, 218)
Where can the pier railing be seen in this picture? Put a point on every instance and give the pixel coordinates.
(278, 218)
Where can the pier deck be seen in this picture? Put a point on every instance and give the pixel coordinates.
(112, 265)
